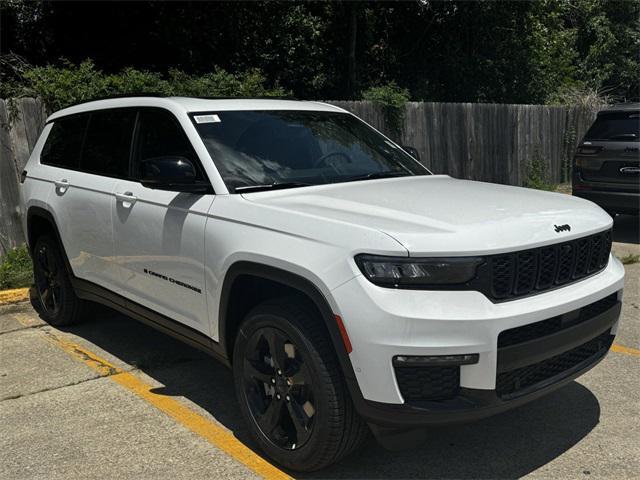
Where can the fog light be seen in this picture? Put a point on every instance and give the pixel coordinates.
(434, 360)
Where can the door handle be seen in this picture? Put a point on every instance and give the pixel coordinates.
(62, 185)
(127, 199)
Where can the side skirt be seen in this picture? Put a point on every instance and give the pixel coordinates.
(90, 291)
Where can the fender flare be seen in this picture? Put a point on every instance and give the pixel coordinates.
(45, 214)
(292, 280)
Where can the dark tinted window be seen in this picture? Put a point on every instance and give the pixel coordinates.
(619, 126)
(108, 142)
(160, 135)
(63, 145)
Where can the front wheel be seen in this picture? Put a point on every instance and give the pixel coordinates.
(291, 391)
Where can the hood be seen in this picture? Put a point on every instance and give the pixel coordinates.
(440, 215)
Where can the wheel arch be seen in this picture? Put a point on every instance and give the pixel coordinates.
(40, 221)
(229, 318)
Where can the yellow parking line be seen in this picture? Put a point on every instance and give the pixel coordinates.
(628, 350)
(14, 296)
(214, 434)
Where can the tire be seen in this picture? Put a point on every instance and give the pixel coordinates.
(311, 388)
(54, 299)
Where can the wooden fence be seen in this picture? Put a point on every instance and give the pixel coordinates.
(487, 142)
(20, 126)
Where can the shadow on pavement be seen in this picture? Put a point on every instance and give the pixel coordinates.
(626, 229)
(507, 446)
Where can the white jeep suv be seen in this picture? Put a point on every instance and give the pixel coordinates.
(349, 288)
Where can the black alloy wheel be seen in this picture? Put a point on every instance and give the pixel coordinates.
(47, 279)
(290, 387)
(54, 299)
(278, 388)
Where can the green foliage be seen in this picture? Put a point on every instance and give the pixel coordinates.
(220, 83)
(599, 42)
(16, 270)
(60, 86)
(454, 51)
(538, 175)
(392, 99)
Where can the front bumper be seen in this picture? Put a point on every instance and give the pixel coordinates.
(383, 323)
(617, 202)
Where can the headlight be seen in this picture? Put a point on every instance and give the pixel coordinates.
(418, 272)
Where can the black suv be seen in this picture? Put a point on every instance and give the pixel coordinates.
(606, 168)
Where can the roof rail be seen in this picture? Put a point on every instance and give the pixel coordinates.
(118, 95)
(163, 95)
(255, 97)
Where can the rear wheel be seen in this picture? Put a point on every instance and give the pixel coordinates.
(55, 298)
(291, 391)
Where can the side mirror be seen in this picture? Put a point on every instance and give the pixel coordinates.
(411, 151)
(173, 173)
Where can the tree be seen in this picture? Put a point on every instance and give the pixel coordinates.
(443, 51)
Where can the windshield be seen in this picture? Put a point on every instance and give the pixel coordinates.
(256, 150)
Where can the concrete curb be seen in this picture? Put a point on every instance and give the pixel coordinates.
(15, 295)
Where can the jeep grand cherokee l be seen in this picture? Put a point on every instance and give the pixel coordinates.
(606, 166)
(349, 288)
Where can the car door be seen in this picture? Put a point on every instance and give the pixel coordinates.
(159, 234)
(86, 154)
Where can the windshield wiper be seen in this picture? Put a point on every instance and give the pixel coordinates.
(270, 186)
(387, 174)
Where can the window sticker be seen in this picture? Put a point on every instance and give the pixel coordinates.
(207, 118)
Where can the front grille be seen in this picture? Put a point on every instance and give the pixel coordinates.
(510, 383)
(428, 383)
(532, 331)
(533, 271)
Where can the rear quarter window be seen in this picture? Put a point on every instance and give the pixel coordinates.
(108, 142)
(64, 143)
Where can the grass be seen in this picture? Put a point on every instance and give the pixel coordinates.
(630, 258)
(16, 269)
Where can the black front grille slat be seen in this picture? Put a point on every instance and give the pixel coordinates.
(583, 247)
(596, 253)
(503, 269)
(527, 263)
(566, 254)
(606, 249)
(547, 272)
(533, 271)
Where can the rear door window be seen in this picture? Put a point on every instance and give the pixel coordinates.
(616, 126)
(64, 143)
(107, 144)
